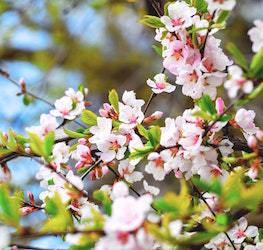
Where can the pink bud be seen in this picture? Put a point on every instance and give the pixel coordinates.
(252, 141)
(79, 165)
(178, 174)
(107, 107)
(21, 81)
(157, 115)
(220, 105)
(28, 150)
(259, 135)
(5, 135)
(86, 91)
(31, 197)
(82, 141)
(103, 113)
(105, 170)
(26, 210)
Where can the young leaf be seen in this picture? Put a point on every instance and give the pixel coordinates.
(89, 118)
(61, 218)
(104, 199)
(154, 135)
(158, 50)
(223, 15)
(201, 6)
(207, 105)
(142, 131)
(49, 142)
(36, 144)
(152, 21)
(256, 67)
(114, 99)
(73, 134)
(237, 55)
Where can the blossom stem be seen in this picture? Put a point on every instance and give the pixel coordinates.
(148, 103)
(90, 169)
(211, 210)
(224, 112)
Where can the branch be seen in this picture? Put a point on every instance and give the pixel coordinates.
(157, 8)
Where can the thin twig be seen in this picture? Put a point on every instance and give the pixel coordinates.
(90, 169)
(213, 213)
(156, 7)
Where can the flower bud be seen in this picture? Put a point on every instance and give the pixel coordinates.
(259, 135)
(28, 150)
(252, 141)
(82, 141)
(220, 105)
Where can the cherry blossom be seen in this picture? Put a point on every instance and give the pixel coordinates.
(237, 82)
(179, 16)
(221, 4)
(150, 189)
(245, 119)
(83, 156)
(240, 231)
(128, 214)
(220, 242)
(126, 169)
(160, 85)
(155, 166)
(103, 128)
(256, 35)
(112, 146)
(5, 237)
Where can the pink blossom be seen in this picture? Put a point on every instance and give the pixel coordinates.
(155, 166)
(214, 58)
(179, 16)
(245, 119)
(128, 213)
(160, 85)
(169, 133)
(129, 98)
(237, 81)
(256, 35)
(154, 191)
(220, 4)
(83, 156)
(240, 231)
(119, 189)
(126, 170)
(112, 146)
(103, 128)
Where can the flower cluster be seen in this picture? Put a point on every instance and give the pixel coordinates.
(210, 149)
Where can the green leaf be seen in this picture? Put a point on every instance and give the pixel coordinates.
(36, 144)
(257, 91)
(114, 99)
(256, 66)
(202, 114)
(89, 118)
(10, 205)
(152, 21)
(154, 135)
(241, 102)
(49, 142)
(237, 55)
(142, 131)
(73, 134)
(104, 199)
(222, 219)
(260, 236)
(225, 118)
(206, 104)
(141, 152)
(26, 100)
(61, 218)
(201, 6)
(158, 50)
(223, 15)
(201, 237)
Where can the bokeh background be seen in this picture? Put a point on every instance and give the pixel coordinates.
(57, 44)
